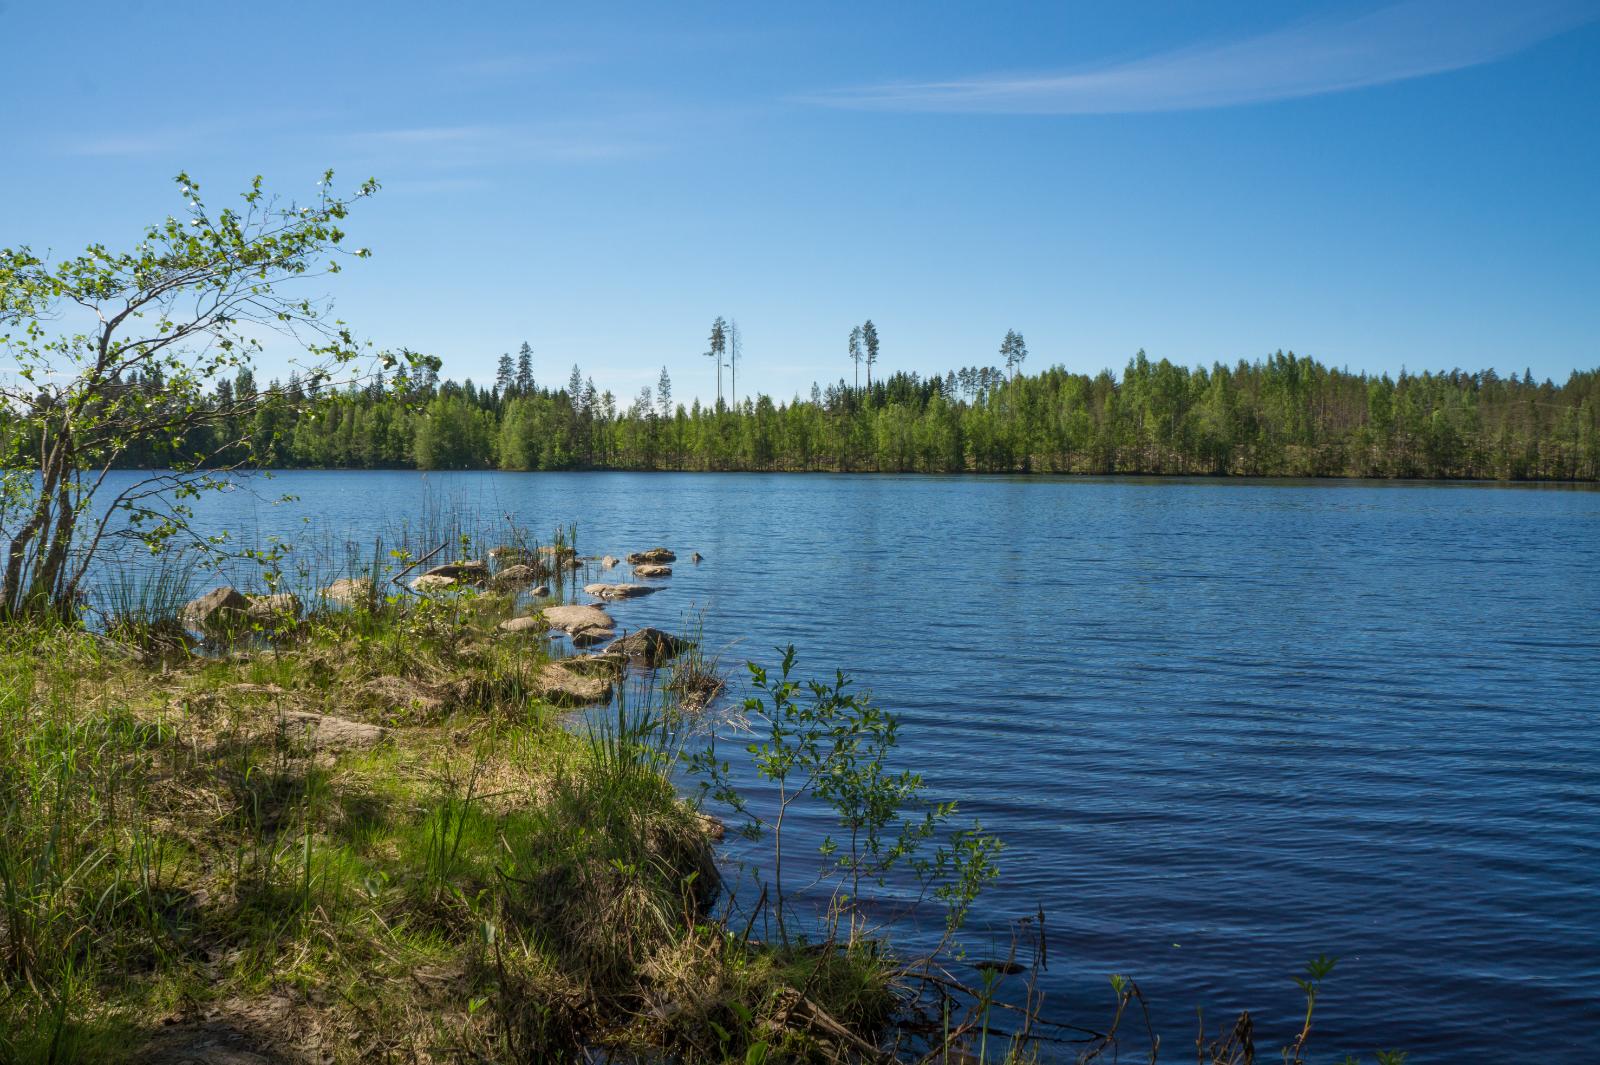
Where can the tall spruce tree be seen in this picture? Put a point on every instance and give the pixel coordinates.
(504, 377)
(664, 393)
(869, 338)
(525, 370)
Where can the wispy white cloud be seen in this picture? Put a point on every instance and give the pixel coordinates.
(1406, 40)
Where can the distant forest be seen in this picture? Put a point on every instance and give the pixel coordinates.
(1283, 416)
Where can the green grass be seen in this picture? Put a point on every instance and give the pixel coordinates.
(485, 884)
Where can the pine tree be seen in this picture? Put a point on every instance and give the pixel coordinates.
(855, 352)
(664, 394)
(719, 348)
(1014, 350)
(525, 370)
(504, 379)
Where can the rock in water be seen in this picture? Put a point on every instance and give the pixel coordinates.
(585, 624)
(220, 608)
(475, 572)
(650, 646)
(618, 591)
(655, 554)
(432, 582)
(527, 624)
(516, 576)
(697, 557)
(609, 561)
(652, 570)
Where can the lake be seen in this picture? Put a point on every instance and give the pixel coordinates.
(1223, 726)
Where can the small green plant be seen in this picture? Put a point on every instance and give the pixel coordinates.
(824, 740)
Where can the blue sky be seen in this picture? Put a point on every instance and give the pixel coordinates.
(1376, 184)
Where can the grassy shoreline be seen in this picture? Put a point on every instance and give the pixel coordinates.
(371, 840)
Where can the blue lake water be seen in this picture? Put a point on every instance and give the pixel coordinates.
(1223, 726)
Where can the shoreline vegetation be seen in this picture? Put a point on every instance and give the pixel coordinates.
(380, 824)
(1285, 416)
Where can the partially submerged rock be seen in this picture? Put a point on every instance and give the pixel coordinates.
(517, 576)
(433, 582)
(532, 623)
(697, 557)
(472, 572)
(586, 625)
(219, 609)
(618, 591)
(539, 591)
(609, 561)
(654, 554)
(650, 646)
(651, 569)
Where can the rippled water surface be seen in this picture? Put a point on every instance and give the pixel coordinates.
(1223, 726)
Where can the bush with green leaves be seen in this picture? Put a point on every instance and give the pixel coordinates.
(824, 741)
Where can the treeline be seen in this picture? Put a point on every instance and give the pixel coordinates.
(1281, 416)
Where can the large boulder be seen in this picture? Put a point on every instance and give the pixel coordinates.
(218, 610)
(348, 591)
(650, 646)
(651, 569)
(654, 554)
(618, 591)
(587, 625)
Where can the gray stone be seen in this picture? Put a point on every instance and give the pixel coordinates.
(220, 608)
